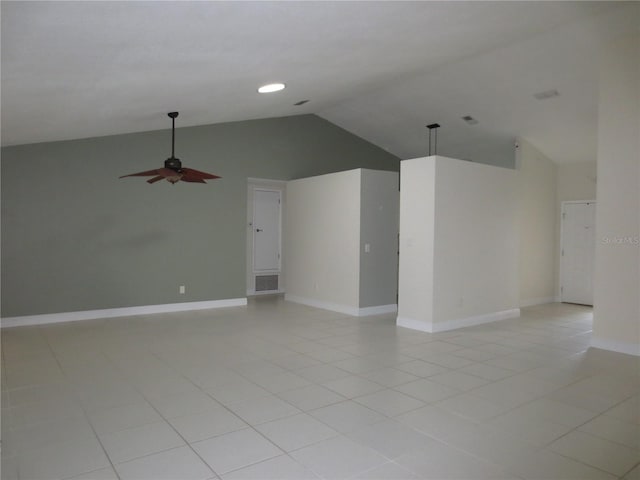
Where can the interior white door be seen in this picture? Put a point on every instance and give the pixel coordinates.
(578, 252)
(266, 230)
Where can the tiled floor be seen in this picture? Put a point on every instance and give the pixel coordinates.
(282, 391)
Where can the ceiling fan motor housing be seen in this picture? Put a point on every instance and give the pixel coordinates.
(173, 163)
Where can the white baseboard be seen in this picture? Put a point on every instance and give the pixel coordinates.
(378, 310)
(433, 327)
(253, 293)
(530, 302)
(312, 302)
(335, 307)
(118, 312)
(414, 324)
(620, 347)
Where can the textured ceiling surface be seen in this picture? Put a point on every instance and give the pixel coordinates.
(381, 70)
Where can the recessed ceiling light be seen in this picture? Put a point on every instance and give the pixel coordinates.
(272, 87)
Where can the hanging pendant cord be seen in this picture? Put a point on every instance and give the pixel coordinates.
(433, 126)
(435, 148)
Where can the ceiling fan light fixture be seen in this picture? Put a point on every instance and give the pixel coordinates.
(173, 170)
(271, 87)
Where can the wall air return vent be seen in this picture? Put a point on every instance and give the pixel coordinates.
(266, 283)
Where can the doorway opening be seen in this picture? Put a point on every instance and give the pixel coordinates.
(265, 203)
(577, 254)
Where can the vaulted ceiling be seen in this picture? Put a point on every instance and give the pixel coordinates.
(382, 70)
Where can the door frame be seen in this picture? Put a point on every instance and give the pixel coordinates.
(264, 184)
(560, 252)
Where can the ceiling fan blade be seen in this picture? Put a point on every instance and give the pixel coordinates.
(186, 178)
(148, 173)
(192, 173)
(173, 171)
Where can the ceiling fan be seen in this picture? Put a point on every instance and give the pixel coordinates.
(173, 170)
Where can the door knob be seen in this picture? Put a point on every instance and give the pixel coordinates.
(258, 229)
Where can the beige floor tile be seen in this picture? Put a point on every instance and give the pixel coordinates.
(311, 397)
(496, 395)
(124, 417)
(295, 432)
(627, 411)
(277, 468)
(390, 377)
(388, 471)
(615, 430)
(180, 404)
(420, 368)
(390, 438)
(237, 391)
(62, 460)
(322, 373)
(338, 457)
(347, 416)
(458, 380)
(427, 390)
(135, 442)
(472, 407)
(437, 423)
(536, 431)
(634, 474)
(556, 412)
(262, 409)
(353, 386)
(546, 465)
(102, 474)
(389, 402)
(440, 461)
(281, 382)
(235, 450)
(597, 452)
(179, 463)
(201, 426)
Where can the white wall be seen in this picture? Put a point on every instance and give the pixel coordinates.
(458, 228)
(417, 243)
(380, 205)
(537, 224)
(322, 240)
(616, 323)
(329, 219)
(577, 181)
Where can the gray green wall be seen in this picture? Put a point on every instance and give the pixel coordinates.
(75, 237)
(379, 227)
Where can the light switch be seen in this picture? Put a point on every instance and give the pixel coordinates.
(367, 248)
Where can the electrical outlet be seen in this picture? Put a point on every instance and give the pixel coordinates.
(182, 289)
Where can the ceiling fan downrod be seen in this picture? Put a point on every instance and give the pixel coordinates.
(173, 163)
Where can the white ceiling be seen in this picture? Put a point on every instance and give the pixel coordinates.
(382, 70)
